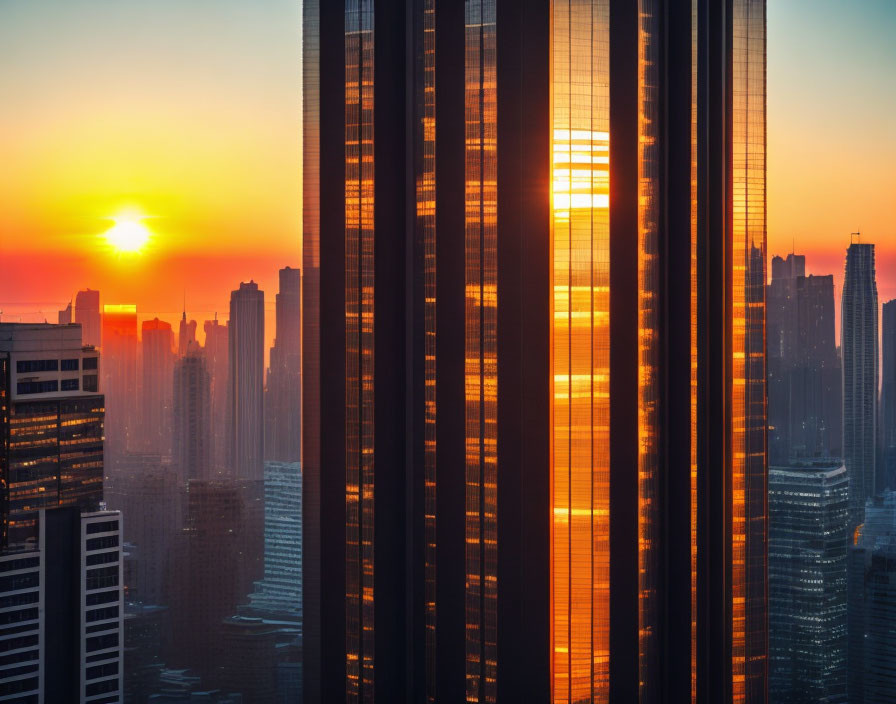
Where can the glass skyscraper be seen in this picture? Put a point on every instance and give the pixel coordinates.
(859, 346)
(534, 352)
(808, 539)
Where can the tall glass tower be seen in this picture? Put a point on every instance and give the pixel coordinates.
(534, 351)
(859, 345)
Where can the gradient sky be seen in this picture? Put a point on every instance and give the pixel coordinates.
(190, 111)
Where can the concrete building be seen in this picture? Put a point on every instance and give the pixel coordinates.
(87, 315)
(283, 394)
(63, 604)
(156, 396)
(216, 355)
(120, 382)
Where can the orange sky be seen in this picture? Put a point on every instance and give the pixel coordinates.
(190, 113)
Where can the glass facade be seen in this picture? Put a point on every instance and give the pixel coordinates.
(481, 348)
(359, 352)
(55, 458)
(580, 333)
(426, 232)
(748, 397)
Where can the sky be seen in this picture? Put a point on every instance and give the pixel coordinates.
(831, 138)
(189, 112)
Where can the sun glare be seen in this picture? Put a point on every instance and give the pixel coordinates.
(128, 233)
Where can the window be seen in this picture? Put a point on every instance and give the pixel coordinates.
(102, 614)
(89, 363)
(37, 387)
(104, 527)
(70, 384)
(102, 578)
(26, 366)
(69, 365)
(102, 558)
(90, 382)
(110, 541)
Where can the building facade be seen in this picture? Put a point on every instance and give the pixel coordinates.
(192, 416)
(87, 315)
(157, 344)
(581, 149)
(120, 381)
(51, 425)
(808, 539)
(887, 432)
(859, 345)
(216, 357)
(283, 407)
(805, 377)
(872, 604)
(246, 382)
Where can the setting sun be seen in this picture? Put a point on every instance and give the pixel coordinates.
(128, 234)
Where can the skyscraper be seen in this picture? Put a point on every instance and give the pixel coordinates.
(186, 335)
(246, 382)
(216, 353)
(872, 605)
(192, 416)
(519, 486)
(888, 395)
(805, 389)
(808, 538)
(283, 408)
(51, 418)
(65, 315)
(158, 365)
(87, 315)
(120, 380)
(859, 345)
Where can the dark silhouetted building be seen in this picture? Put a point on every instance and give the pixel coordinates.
(192, 416)
(248, 659)
(216, 558)
(246, 382)
(51, 425)
(87, 315)
(887, 430)
(283, 408)
(872, 605)
(808, 505)
(156, 395)
(805, 378)
(859, 346)
(120, 382)
(534, 352)
(216, 354)
(143, 637)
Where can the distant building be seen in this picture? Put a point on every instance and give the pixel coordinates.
(859, 333)
(248, 659)
(872, 605)
(888, 395)
(156, 394)
(62, 608)
(65, 315)
(143, 666)
(216, 558)
(186, 335)
(51, 412)
(808, 507)
(120, 381)
(246, 382)
(279, 595)
(149, 495)
(87, 315)
(216, 356)
(192, 416)
(283, 412)
(805, 382)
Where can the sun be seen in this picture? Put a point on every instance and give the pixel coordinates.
(128, 233)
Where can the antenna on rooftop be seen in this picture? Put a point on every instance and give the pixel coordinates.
(853, 236)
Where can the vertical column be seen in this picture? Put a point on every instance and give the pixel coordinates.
(481, 363)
